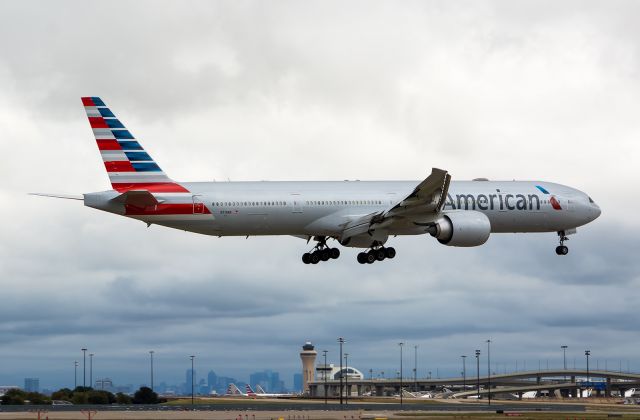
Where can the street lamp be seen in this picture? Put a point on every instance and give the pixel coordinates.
(84, 369)
(587, 353)
(90, 369)
(346, 378)
(324, 374)
(489, 369)
(341, 341)
(464, 372)
(478, 370)
(75, 374)
(192, 379)
(401, 344)
(564, 356)
(415, 367)
(151, 357)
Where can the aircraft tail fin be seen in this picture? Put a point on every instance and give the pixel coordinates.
(128, 165)
(249, 390)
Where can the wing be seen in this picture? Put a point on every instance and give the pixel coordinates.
(427, 198)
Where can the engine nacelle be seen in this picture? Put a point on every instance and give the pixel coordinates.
(462, 228)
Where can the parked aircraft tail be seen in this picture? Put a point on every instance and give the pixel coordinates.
(129, 166)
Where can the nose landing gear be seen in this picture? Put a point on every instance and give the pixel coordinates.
(321, 252)
(562, 249)
(376, 254)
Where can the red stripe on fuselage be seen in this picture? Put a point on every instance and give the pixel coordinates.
(554, 203)
(108, 145)
(119, 166)
(154, 187)
(87, 102)
(163, 209)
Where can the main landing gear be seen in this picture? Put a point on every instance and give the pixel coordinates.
(376, 254)
(562, 249)
(321, 252)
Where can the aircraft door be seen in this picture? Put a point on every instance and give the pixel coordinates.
(198, 205)
(296, 200)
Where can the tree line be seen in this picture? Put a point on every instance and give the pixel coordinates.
(81, 395)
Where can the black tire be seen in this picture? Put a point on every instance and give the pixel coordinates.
(362, 258)
(390, 252)
(314, 258)
(325, 254)
(371, 257)
(564, 250)
(559, 250)
(306, 258)
(380, 255)
(335, 253)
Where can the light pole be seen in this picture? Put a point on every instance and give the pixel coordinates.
(151, 357)
(489, 369)
(464, 372)
(324, 371)
(415, 367)
(341, 341)
(84, 369)
(587, 353)
(564, 357)
(346, 378)
(192, 379)
(371, 374)
(478, 370)
(90, 369)
(401, 344)
(75, 374)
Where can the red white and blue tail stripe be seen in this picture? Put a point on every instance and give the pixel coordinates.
(129, 166)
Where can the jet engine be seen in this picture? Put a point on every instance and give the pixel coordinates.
(461, 228)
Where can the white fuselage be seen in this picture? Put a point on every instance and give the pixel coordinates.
(323, 208)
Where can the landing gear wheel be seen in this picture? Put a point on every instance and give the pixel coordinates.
(306, 258)
(325, 254)
(335, 253)
(562, 249)
(380, 254)
(315, 258)
(371, 257)
(362, 257)
(390, 252)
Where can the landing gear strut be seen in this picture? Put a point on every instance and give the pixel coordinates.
(321, 252)
(562, 249)
(376, 253)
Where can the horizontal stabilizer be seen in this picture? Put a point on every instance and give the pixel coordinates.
(65, 196)
(140, 199)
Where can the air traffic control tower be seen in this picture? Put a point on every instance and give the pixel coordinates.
(308, 357)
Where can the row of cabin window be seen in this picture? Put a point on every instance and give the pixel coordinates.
(248, 203)
(342, 202)
(283, 203)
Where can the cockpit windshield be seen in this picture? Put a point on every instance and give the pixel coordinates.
(591, 201)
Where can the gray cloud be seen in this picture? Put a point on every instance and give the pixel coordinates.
(289, 90)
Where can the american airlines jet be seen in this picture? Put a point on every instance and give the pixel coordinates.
(358, 214)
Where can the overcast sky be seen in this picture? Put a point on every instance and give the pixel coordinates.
(314, 91)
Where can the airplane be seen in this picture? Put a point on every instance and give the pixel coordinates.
(357, 214)
(234, 391)
(260, 392)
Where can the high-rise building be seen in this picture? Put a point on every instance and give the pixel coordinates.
(297, 382)
(32, 384)
(308, 357)
(212, 380)
(190, 382)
